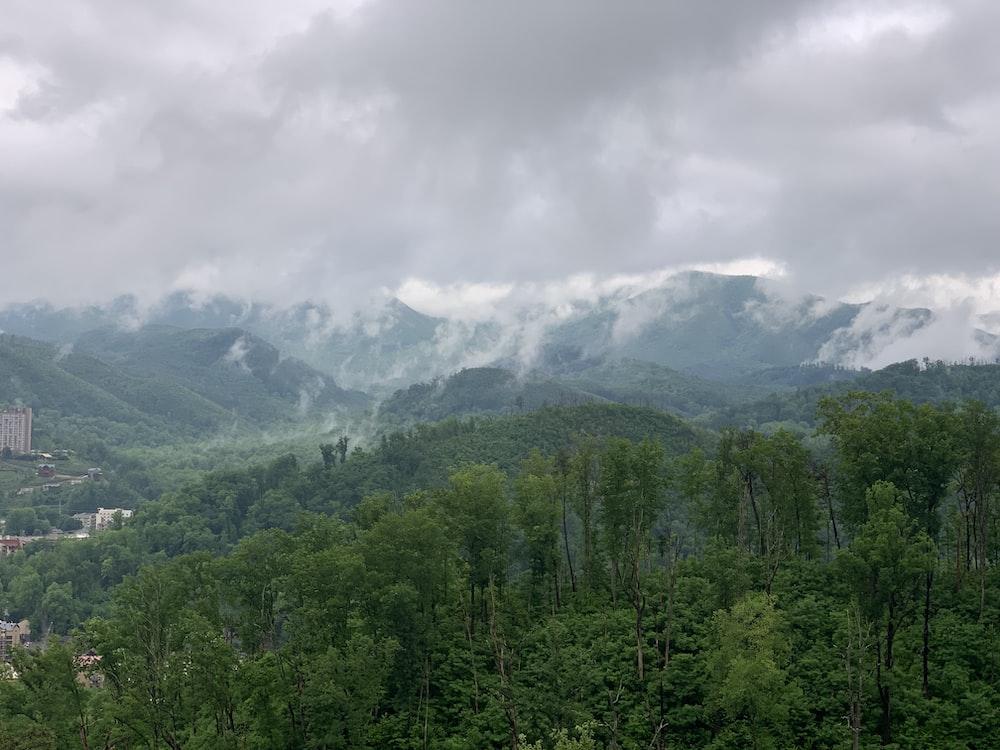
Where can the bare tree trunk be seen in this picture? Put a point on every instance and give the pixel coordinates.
(569, 558)
(640, 607)
(615, 717)
(614, 582)
(886, 662)
(427, 697)
(501, 654)
(472, 661)
(756, 512)
(983, 522)
(828, 496)
(925, 651)
(855, 656)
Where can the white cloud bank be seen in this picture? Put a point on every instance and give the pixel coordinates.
(465, 155)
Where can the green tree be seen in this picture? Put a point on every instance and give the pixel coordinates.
(563, 739)
(977, 483)
(476, 513)
(24, 593)
(277, 509)
(58, 608)
(253, 581)
(632, 493)
(164, 627)
(328, 451)
(537, 513)
(886, 564)
(585, 477)
(21, 521)
(52, 704)
(883, 439)
(342, 690)
(747, 681)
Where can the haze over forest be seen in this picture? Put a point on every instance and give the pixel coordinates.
(565, 376)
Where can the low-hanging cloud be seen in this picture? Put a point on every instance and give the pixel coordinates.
(293, 151)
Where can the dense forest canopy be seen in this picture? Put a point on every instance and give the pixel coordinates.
(499, 376)
(595, 553)
(572, 577)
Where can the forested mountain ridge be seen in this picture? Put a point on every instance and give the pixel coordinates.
(709, 325)
(635, 381)
(772, 397)
(228, 365)
(496, 390)
(64, 387)
(714, 326)
(158, 386)
(478, 390)
(918, 381)
(579, 593)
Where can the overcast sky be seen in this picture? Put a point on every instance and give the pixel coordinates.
(296, 149)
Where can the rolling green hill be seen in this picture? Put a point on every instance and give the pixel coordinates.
(477, 390)
(633, 381)
(157, 387)
(66, 402)
(920, 382)
(424, 455)
(230, 367)
(494, 390)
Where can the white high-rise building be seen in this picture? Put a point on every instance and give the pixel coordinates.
(15, 429)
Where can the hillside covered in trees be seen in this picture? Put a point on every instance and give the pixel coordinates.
(575, 577)
(162, 385)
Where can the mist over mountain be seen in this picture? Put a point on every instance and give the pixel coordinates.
(711, 325)
(229, 365)
(162, 383)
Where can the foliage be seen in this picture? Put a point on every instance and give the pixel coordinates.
(517, 582)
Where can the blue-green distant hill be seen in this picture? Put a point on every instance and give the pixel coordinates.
(161, 384)
(729, 328)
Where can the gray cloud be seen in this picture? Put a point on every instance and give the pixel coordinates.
(307, 151)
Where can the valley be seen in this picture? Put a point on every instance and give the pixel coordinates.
(608, 489)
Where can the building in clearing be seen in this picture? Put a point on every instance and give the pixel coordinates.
(106, 516)
(12, 634)
(102, 519)
(15, 429)
(86, 520)
(9, 545)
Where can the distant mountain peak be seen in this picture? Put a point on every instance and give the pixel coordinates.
(699, 322)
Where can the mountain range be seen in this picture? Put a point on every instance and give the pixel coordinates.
(160, 383)
(729, 328)
(697, 345)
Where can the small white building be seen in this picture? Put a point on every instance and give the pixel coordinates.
(102, 519)
(105, 516)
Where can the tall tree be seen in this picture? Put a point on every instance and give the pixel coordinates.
(537, 514)
(886, 563)
(585, 469)
(977, 484)
(883, 439)
(748, 684)
(632, 491)
(475, 509)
